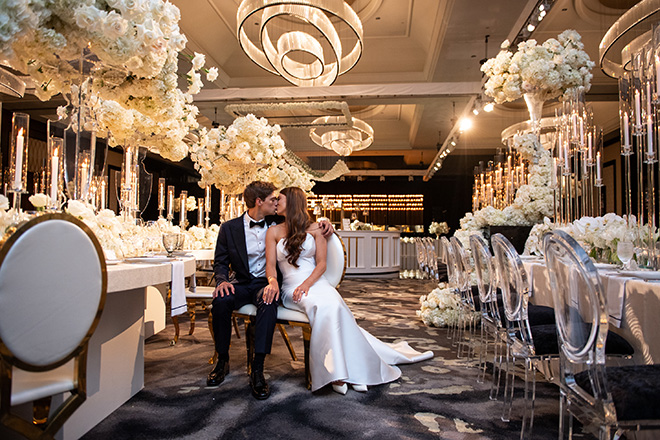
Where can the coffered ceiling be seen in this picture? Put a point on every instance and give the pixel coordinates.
(418, 73)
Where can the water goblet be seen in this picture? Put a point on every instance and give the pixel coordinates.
(180, 239)
(624, 250)
(170, 242)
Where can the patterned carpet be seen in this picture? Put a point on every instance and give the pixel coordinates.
(437, 398)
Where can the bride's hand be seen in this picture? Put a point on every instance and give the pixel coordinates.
(299, 291)
(271, 292)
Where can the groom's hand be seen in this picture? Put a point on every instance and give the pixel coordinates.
(326, 228)
(223, 289)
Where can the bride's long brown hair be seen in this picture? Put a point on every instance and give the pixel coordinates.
(297, 222)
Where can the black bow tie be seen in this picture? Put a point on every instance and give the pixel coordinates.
(261, 224)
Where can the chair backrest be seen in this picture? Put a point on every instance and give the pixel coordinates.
(450, 261)
(420, 252)
(53, 285)
(335, 261)
(462, 265)
(580, 311)
(484, 268)
(514, 283)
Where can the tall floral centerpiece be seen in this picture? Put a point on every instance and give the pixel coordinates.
(538, 72)
(125, 52)
(248, 149)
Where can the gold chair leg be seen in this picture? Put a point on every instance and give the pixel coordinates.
(287, 341)
(175, 320)
(40, 411)
(307, 334)
(214, 358)
(249, 342)
(191, 312)
(235, 321)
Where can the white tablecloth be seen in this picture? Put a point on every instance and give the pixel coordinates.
(633, 306)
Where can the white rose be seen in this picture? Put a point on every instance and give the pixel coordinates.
(198, 61)
(4, 202)
(87, 17)
(114, 25)
(212, 74)
(39, 200)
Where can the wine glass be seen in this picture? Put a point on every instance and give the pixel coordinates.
(170, 242)
(180, 239)
(624, 250)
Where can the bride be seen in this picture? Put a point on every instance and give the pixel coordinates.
(341, 352)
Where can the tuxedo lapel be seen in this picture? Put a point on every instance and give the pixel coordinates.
(238, 235)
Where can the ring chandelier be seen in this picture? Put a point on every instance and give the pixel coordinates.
(276, 57)
(344, 141)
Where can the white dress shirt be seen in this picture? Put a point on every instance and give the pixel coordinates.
(255, 243)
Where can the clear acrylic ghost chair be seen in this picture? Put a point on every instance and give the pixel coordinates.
(452, 280)
(605, 399)
(492, 331)
(520, 341)
(420, 252)
(468, 309)
(53, 286)
(431, 259)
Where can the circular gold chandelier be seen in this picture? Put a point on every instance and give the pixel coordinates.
(290, 53)
(357, 136)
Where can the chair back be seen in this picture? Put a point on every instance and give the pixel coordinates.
(462, 265)
(53, 284)
(420, 252)
(580, 311)
(514, 283)
(335, 261)
(450, 261)
(484, 267)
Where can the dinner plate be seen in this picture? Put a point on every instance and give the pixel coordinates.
(112, 262)
(643, 274)
(154, 259)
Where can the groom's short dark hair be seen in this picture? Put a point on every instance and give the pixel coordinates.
(257, 190)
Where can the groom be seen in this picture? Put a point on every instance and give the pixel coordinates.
(241, 246)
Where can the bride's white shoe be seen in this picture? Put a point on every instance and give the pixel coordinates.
(359, 387)
(341, 389)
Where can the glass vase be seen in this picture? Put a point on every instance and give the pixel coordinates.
(535, 100)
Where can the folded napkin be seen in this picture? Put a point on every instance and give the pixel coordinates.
(178, 288)
(615, 292)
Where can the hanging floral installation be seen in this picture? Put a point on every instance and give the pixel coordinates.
(124, 55)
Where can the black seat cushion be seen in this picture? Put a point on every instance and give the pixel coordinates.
(537, 315)
(635, 390)
(546, 341)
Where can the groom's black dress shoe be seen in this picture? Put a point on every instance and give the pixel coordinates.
(217, 375)
(260, 389)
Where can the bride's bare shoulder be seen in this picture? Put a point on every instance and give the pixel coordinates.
(276, 231)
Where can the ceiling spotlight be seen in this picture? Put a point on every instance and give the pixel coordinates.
(542, 8)
(489, 107)
(382, 178)
(410, 178)
(475, 111)
(453, 143)
(531, 27)
(465, 124)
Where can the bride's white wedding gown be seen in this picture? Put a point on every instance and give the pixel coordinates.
(339, 348)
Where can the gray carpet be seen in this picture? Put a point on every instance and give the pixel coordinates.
(437, 398)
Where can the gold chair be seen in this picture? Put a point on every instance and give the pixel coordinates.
(53, 285)
(334, 273)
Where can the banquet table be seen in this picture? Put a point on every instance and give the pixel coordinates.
(633, 305)
(115, 362)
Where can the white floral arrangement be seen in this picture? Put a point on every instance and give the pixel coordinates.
(9, 217)
(121, 239)
(528, 146)
(134, 47)
(552, 67)
(249, 149)
(357, 225)
(39, 201)
(191, 204)
(438, 228)
(441, 307)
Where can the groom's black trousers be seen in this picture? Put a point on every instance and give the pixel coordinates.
(244, 293)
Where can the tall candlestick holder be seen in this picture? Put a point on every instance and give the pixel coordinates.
(200, 212)
(54, 172)
(161, 196)
(170, 203)
(20, 130)
(183, 212)
(207, 206)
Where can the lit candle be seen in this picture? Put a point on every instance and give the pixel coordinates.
(103, 192)
(161, 194)
(657, 73)
(626, 130)
(128, 169)
(183, 199)
(553, 175)
(207, 199)
(18, 164)
(170, 201)
(581, 132)
(590, 146)
(598, 165)
(638, 107)
(649, 132)
(200, 211)
(54, 174)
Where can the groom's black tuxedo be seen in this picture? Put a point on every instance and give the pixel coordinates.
(231, 255)
(231, 250)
